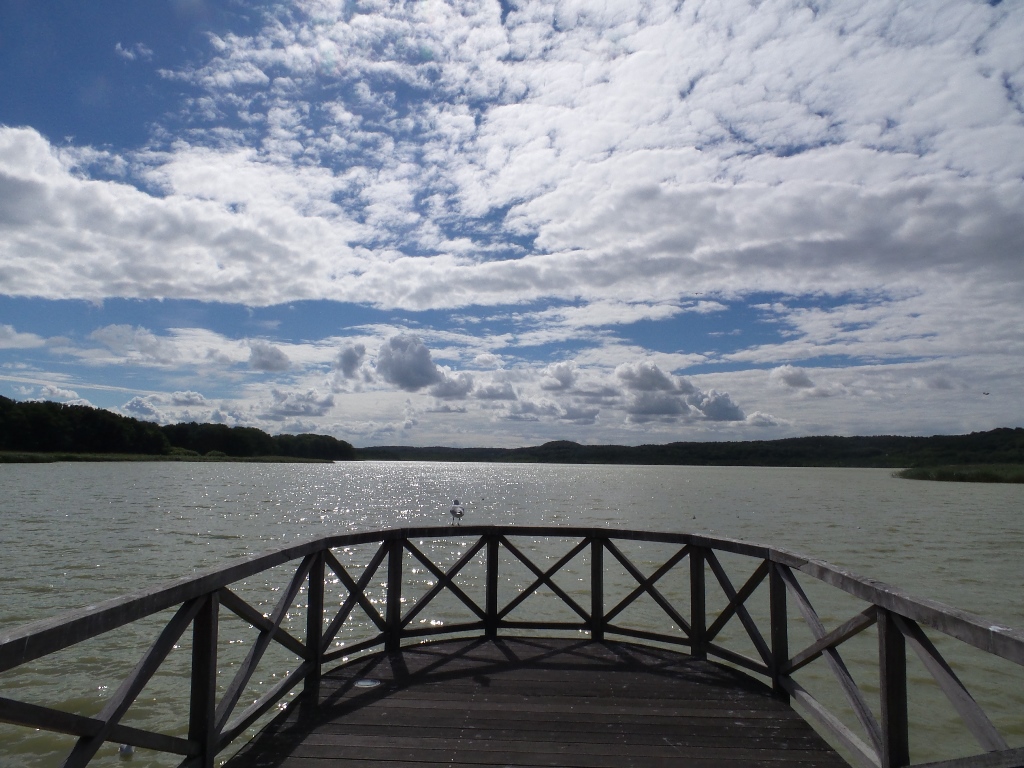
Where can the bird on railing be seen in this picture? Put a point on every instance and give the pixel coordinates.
(457, 511)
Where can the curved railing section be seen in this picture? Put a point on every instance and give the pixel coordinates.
(216, 715)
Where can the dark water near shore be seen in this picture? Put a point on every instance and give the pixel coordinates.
(74, 534)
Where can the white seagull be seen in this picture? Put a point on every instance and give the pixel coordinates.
(457, 511)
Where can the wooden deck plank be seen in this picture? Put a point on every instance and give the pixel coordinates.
(539, 703)
(720, 737)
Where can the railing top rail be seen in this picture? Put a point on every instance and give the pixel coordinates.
(32, 641)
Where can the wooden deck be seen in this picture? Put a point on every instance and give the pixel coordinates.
(538, 702)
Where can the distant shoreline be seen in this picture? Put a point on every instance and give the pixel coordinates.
(29, 457)
(999, 446)
(993, 456)
(967, 473)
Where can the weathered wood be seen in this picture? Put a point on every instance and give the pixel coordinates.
(973, 716)
(356, 593)
(393, 608)
(544, 578)
(491, 587)
(738, 658)
(202, 717)
(646, 584)
(446, 629)
(546, 625)
(737, 599)
(837, 636)
(38, 639)
(861, 752)
(643, 634)
(1011, 758)
(250, 615)
(991, 637)
(892, 689)
(698, 608)
(254, 711)
(598, 620)
(444, 580)
(533, 702)
(314, 653)
(373, 642)
(132, 686)
(58, 721)
(259, 647)
(835, 662)
(779, 618)
(741, 610)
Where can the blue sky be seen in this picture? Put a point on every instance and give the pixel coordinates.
(484, 223)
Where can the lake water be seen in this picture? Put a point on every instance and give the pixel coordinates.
(74, 534)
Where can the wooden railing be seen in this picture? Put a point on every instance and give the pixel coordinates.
(215, 721)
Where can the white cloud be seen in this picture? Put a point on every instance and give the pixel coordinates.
(267, 357)
(488, 360)
(187, 398)
(716, 406)
(133, 52)
(791, 376)
(142, 408)
(654, 395)
(648, 405)
(12, 339)
(350, 358)
(139, 345)
(404, 360)
(646, 376)
(292, 405)
(758, 419)
(612, 178)
(54, 393)
(559, 376)
(658, 152)
(453, 386)
(495, 390)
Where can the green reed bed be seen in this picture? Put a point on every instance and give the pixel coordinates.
(967, 473)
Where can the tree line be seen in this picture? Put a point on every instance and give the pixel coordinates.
(997, 446)
(47, 427)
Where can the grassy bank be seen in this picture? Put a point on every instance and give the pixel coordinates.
(22, 457)
(967, 473)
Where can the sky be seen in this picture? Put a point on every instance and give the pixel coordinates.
(503, 222)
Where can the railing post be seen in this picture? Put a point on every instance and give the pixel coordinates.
(698, 611)
(779, 628)
(491, 608)
(202, 726)
(597, 588)
(314, 631)
(892, 670)
(393, 619)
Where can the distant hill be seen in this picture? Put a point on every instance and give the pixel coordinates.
(998, 446)
(47, 427)
(57, 427)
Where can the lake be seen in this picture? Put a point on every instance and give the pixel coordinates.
(73, 534)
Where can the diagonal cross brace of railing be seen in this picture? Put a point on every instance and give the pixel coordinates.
(213, 722)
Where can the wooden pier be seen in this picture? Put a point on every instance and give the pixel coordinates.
(539, 702)
(379, 684)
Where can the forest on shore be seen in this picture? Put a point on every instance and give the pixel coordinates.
(997, 446)
(40, 427)
(45, 427)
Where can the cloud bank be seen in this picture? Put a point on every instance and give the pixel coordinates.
(536, 185)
